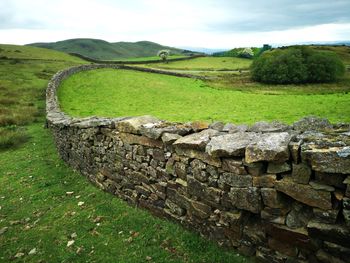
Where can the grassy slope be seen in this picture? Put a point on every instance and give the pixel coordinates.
(126, 93)
(206, 63)
(100, 49)
(39, 214)
(36, 211)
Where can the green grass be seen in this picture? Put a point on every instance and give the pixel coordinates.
(205, 63)
(109, 92)
(39, 214)
(35, 211)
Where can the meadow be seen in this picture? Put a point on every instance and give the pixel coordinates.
(48, 212)
(108, 92)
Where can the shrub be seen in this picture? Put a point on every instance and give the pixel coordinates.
(296, 65)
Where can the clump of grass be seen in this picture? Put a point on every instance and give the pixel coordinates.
(12, 136)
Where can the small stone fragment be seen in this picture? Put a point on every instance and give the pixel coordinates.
(70, 243)
(32, 252)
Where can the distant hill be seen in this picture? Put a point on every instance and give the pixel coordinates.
(100, 49)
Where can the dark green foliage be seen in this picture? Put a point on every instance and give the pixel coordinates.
(297, 65)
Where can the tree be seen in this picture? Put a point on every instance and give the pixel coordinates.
(163, 54)
(246, 53)
(295, 65)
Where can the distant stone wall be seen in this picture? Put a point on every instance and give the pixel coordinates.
(274, 191)
(133, 62)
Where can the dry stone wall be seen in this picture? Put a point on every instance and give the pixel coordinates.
(278, 192)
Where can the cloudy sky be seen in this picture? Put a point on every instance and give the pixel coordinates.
(196, 23)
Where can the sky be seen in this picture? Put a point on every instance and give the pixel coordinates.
(178, 23)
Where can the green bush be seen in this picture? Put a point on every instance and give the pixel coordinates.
(296, 65)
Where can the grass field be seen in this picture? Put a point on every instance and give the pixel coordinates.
(108, 92)
(205, 63)
(37, 217)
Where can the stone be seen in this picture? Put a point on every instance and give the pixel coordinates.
(196, 141)
(275, 168)
(174, 209)
(218, 125)
(312, 123)
(331, 179)
(305, 194)
(337, 250)
(233, 165)
(274, 215)
(255, 169)
(170, 138)
(318, 186)
(199, 125)
(337, 234)
(133, 125)
(232, 128)
(346, 211)
(297, 237)
(230, 144)
(263, 126)
(199, 155)
(180, 170)
(324, 257)
(177, 198)
(157, 130)
(326, 216)
(301, 173)
(246, 198)
(299, 216)
(267, 180)
(272, 198)
(326, 159)
(141, 140)
(294, 149)
(269, 147)
(284, 248)
(236, 180)
(199, 209)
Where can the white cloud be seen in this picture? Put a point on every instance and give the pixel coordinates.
(208, 23)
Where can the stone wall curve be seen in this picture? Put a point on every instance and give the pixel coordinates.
(271, 190)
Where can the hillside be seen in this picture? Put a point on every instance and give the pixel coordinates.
(100, 49)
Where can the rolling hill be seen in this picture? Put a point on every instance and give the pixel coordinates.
(100, 49)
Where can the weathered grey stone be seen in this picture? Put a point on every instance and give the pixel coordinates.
(267, 180)
(318, 186)
(346, 211)
(180, 170)
(156, 130)
(196, 141)
(275, 168)
(294, 148)
(269, 147)
(199, 155)
(272, 198)
(312, 123)
(174, 208)
(330, 179)
(332, 233)
(233, 165)
(232, 128)
(230, 144)
(142, 140)
(326, 159)
(199, 209)
(305, 194)
(170, 138)
(218, 125)
(236, 180)
(299, 216)
(326, 216)
(133, 125)
(263, 126)
(246, 198)
(301, 173)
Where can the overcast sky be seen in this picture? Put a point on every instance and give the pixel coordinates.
(196, 23)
